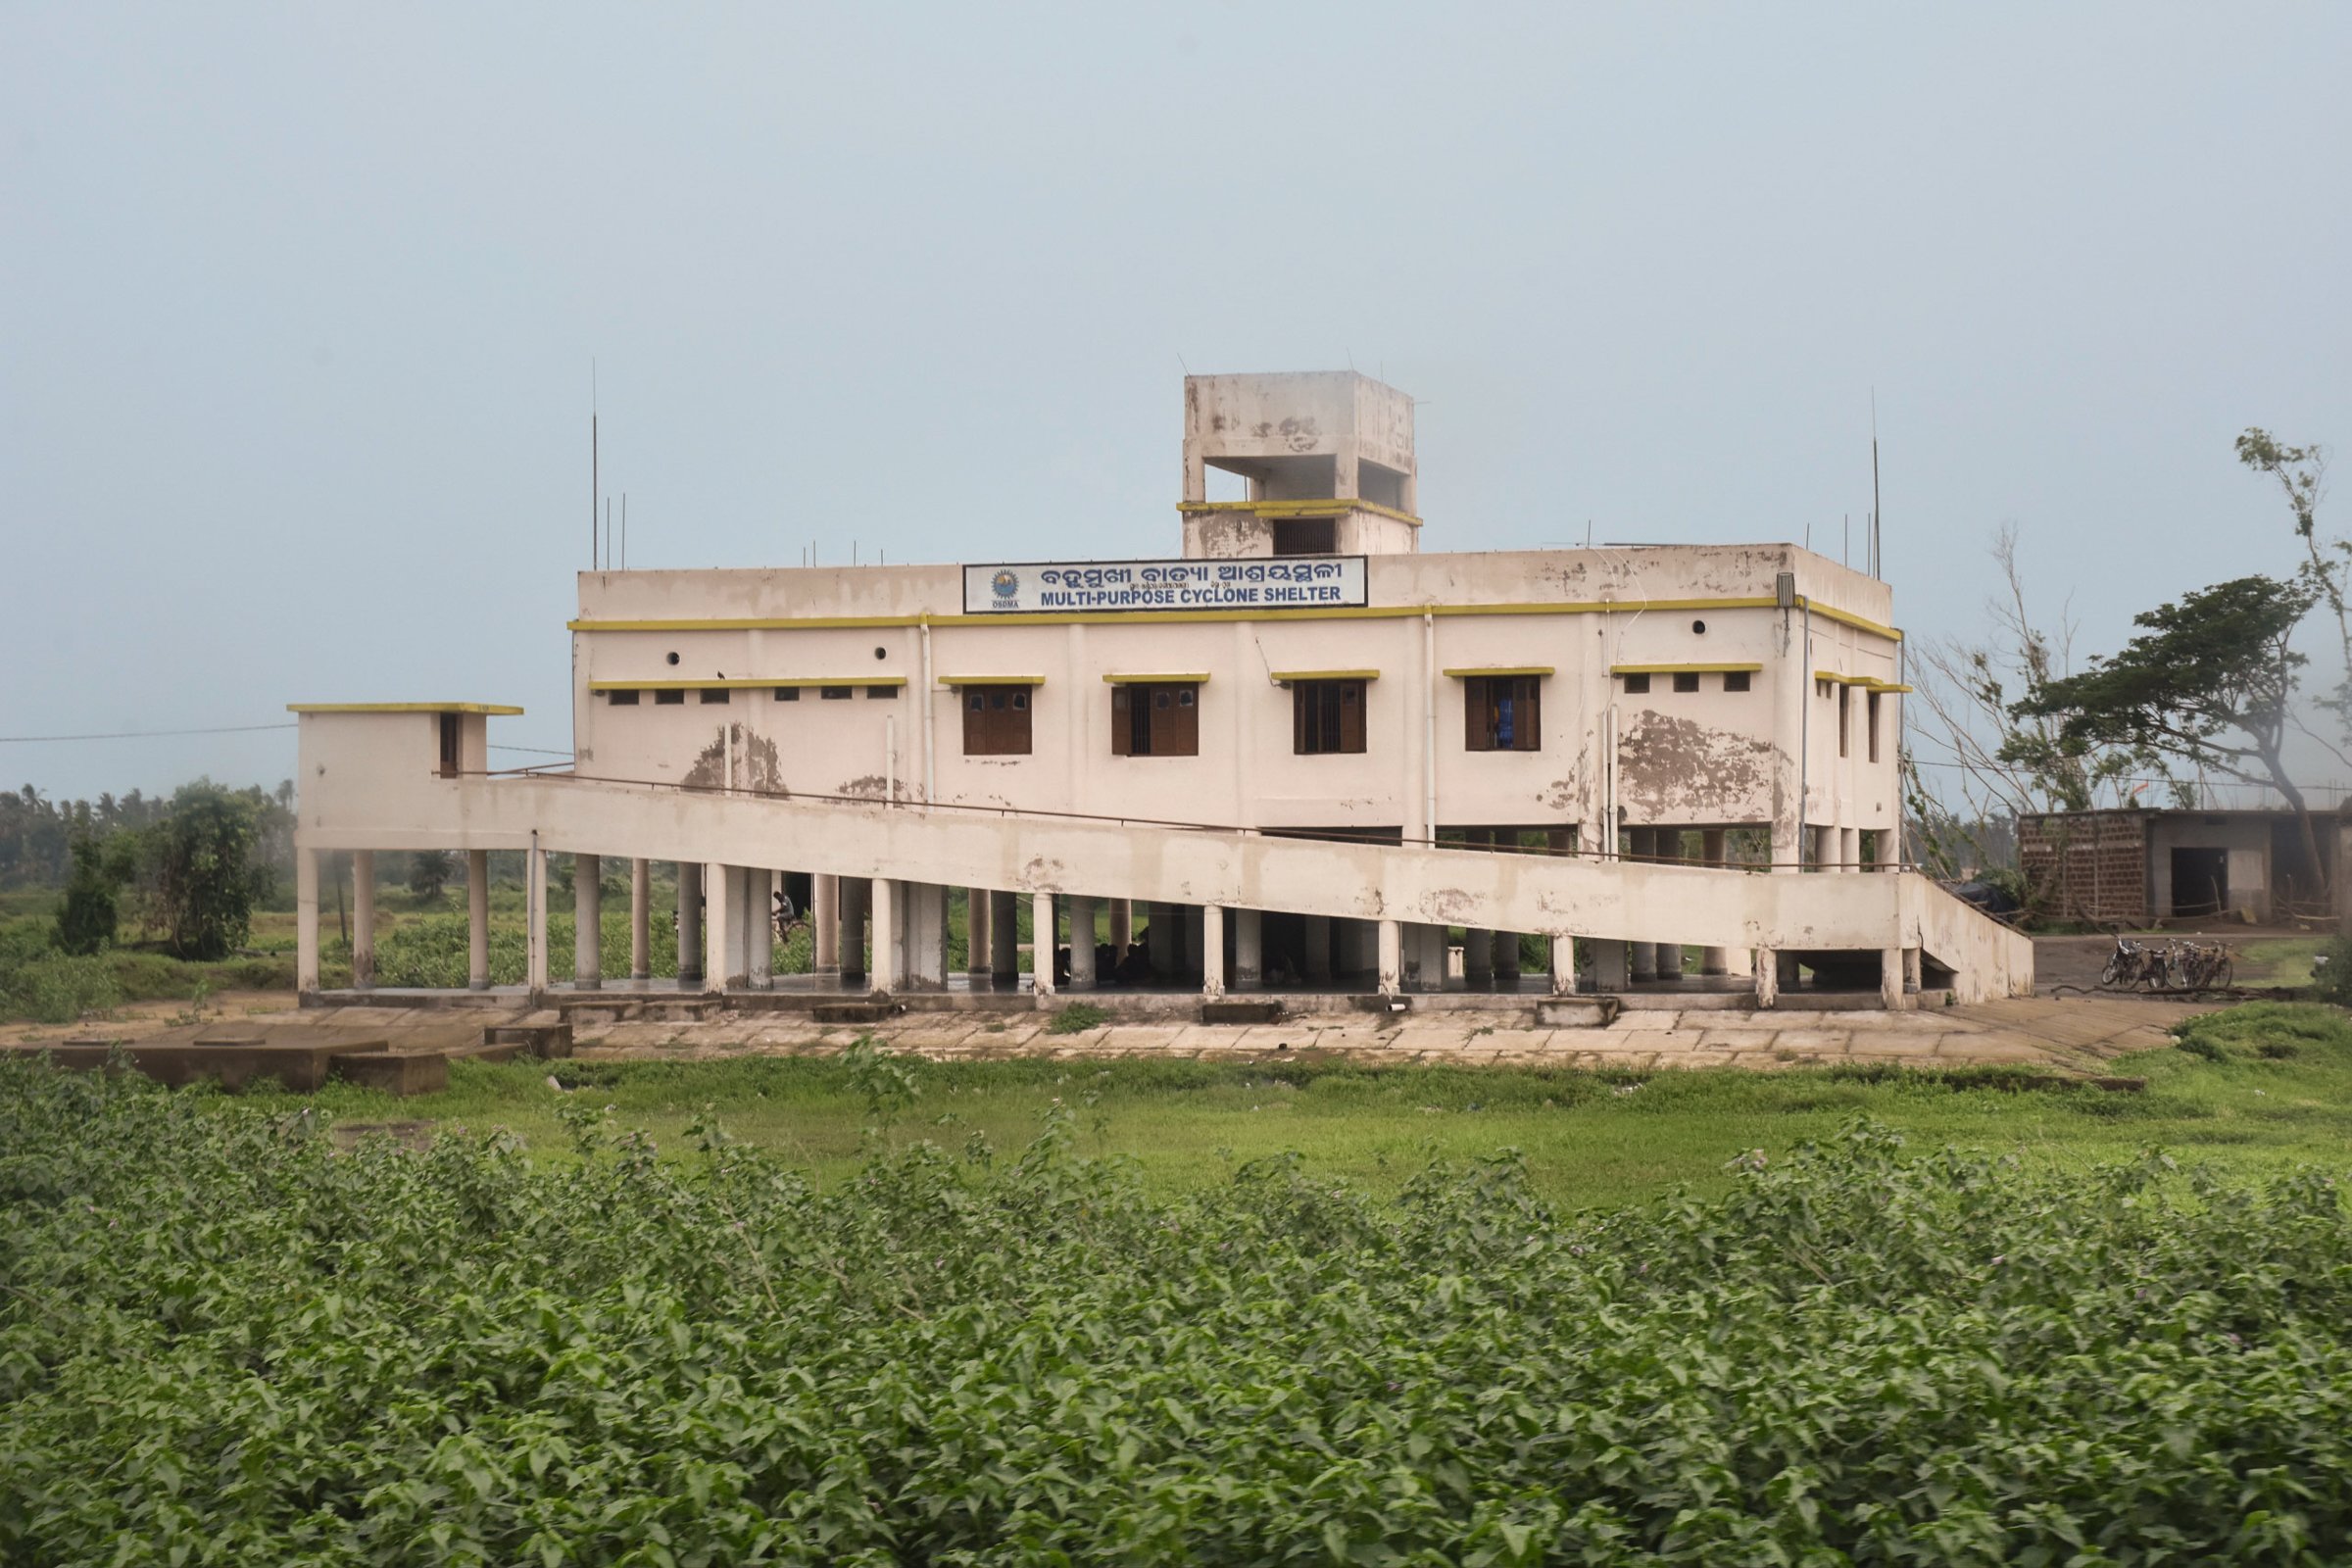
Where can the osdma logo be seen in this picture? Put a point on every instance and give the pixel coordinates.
(1006, 586)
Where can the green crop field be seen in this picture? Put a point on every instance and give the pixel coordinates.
(227, 1337)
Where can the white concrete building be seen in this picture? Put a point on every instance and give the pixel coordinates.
(1306, 746)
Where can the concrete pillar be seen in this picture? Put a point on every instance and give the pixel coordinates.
(588, 922)
(825, 959)
(1767, 978)
(1164, 940)
(362, 919)
(1787, 846)
(1391, 960)
(724, 961)
(305, 920)
(1122, 925)
(534, 929)
(1004, 942)
(888, 974)
(1564, 966)
(1249, 950)
(1850, 848)
(1425, 956)
(690, 925)
(1041, 958)
(852, 895)
(1666, 844)
(1641, 958)
(477, 919)
(1506, 960)
(1082, 942)
(760, 927)
(1890, 979)
(1478, 959)
(1612, 968)
(1478, 947)
(1911, 979)
(641, 918)
(1213, 951)
(976, 903)
(1712, 843)
(1314, 964)
(922, 907)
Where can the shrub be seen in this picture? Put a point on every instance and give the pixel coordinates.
(1076, 1018)
(2332, 979)
(60, 987)
(86, 922)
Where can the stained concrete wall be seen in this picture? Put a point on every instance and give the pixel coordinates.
(1705, 758)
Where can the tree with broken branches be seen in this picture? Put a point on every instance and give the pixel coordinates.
(2210, 684)
(1992, 765)
(2301, 474)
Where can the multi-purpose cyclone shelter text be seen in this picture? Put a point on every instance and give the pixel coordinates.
(1303, 753)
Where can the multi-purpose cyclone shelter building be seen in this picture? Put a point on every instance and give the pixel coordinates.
(1298, 753)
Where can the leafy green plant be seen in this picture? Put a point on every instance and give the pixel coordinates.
(226, 1341)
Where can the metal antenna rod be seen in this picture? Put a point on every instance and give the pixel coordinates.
(624, 531)
(596, 487)
(1877, 566)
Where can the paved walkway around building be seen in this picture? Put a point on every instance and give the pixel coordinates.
(2070, 1035)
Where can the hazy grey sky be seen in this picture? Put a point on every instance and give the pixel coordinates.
(297, 304)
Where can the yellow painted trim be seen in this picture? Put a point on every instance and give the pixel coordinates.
(1197, 679)
(401, 707)
(1492, 671)
(744, 684)
(1847, 618)
(1330, 508)
(1051, 618)
(1684, 669)
(991, 680)
(1326, 675)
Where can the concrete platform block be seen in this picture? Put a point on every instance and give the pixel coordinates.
(1577, 1012)
(1241, 1011)
(422, 1072)
(546, 1041)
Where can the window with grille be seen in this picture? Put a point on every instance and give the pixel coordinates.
(1870, 716)
(626, 699)
(1636, 685)
(788, 694)
(834, 694)
(1736, 680)
(669, 698)
(1156, 719)
(450, 734)
(1845, 709)
(1327, 717)
(884, 692)
(1685, 680)
(996, 721)
(716, 694)
(1502, 713)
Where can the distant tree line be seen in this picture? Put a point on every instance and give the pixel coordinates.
(188, 869)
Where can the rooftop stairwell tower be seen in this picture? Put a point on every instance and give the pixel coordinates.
(1328, 461)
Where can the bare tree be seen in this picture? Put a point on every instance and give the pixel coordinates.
(2301, 473)
(1994, 764)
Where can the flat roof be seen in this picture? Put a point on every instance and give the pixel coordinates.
(401, 707)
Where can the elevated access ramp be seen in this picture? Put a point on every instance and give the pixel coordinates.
(1898, 913)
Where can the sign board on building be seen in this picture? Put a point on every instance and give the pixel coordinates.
(1290, 582)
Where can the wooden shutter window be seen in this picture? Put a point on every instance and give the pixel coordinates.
(1123, 721)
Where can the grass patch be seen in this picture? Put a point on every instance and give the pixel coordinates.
(2279, 1090)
